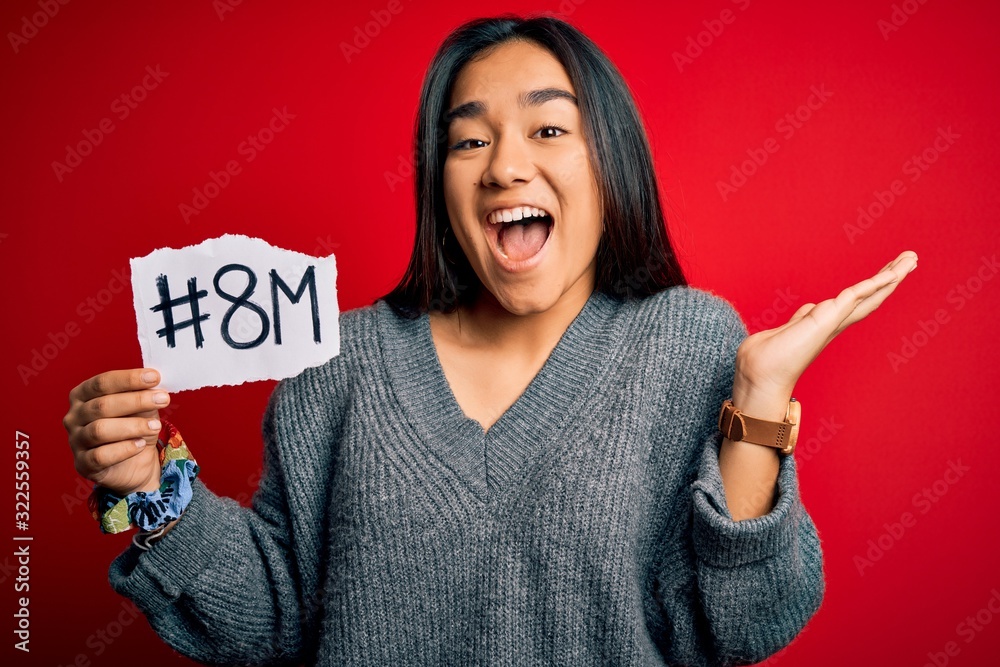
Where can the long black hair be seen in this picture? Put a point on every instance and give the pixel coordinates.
(634, 256)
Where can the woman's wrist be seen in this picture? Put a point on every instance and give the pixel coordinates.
(761, 401)
(150, 485)
(156, 503)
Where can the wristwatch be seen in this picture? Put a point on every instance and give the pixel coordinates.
(781, 435)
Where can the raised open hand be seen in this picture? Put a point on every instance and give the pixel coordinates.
(772, 361)
(769, 363)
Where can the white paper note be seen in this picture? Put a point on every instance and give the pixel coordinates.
(234, 309)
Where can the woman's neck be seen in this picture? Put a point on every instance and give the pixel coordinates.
(487, 324)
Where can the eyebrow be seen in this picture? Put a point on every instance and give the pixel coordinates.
(532, 98)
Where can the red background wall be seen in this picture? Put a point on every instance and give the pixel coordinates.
(877, 433)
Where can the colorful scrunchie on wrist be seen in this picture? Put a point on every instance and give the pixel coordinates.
(154, 509)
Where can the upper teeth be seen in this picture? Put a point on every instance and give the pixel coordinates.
(516, 213)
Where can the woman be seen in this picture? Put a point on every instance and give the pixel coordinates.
(515, 459)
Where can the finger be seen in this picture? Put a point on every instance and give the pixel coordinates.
(830, 313)
(902, 265)
(891, 274)
(796, 316)
(828, 318)
(123, 404)
(851, 297)
(104, 431)
(93, 463)
(859, 301)
(822, 322)
(869, 286)
(801, 312)
(868, 306)
(901, 257)
(113, 382)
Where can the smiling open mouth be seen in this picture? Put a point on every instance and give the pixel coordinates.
(522, 239)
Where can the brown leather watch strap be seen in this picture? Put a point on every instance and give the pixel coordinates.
(781, 435)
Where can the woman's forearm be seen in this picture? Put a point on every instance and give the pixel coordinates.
(749, 471)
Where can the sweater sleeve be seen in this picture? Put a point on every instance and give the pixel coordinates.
(759, 580)
(235, 585)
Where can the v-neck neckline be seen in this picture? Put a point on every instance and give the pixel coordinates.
(491, 461)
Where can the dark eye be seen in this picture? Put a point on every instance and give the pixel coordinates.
(549, 131)
(464, 144)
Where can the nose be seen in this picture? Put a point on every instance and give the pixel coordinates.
(509, 163)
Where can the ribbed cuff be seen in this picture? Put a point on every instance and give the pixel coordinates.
(155, 579)
(722, 542)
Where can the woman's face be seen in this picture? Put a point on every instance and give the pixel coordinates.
(516, 144)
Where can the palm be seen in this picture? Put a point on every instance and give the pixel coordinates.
(130, 473)
(138, 470)
(778, 357)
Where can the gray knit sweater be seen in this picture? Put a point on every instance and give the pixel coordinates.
(588, 526)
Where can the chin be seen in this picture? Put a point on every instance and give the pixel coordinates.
(524, 301)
